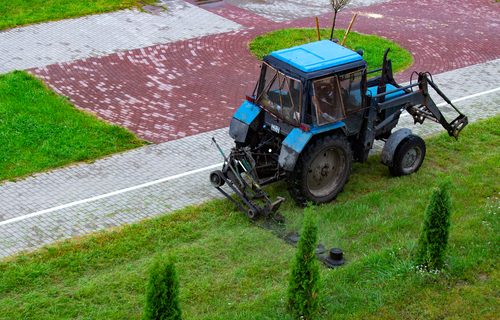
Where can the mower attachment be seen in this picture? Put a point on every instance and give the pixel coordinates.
(241, 174)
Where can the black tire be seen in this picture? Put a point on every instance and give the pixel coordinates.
(409, 156)
(251, 214)
(314, 178)
(216, 180)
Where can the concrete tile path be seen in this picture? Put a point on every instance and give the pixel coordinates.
(286, 10)
(182, 93)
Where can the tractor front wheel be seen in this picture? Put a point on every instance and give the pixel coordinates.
(321, 171)
(409, 156)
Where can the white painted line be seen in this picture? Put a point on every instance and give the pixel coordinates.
(34, 214)
(463, 98)
(471, 96)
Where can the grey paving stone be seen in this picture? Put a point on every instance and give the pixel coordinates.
(103, 34)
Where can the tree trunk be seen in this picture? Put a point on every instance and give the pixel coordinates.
(333, 25)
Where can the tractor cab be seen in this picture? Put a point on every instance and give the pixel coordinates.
(312, 85)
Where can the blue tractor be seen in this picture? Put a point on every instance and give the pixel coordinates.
(315, 110)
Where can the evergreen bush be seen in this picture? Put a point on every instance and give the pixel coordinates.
(304, 283)
(162, 296)
(435, 232)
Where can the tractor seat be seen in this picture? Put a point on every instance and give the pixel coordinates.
(372, 91)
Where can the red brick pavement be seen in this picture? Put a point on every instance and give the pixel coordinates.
(169, 91)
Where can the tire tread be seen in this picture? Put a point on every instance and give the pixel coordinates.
(296, 183)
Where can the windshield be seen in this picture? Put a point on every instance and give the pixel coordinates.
(280, 94)
(334, 97)
(328, 100)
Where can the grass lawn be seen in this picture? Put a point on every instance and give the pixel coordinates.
(373, 46)
(14, 13)
(230, 268)
(40, 130)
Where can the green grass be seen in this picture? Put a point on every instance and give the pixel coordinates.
(14, 13)
(373, 46)
(230, 268)
(40, 130)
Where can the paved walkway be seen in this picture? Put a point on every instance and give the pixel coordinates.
(142, 89)
(286, 10)
(99, 35)
(183, 93)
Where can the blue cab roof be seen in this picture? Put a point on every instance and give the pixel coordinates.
(316, 56)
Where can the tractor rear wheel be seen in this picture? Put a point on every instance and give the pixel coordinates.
(321, 171)
(409, 156)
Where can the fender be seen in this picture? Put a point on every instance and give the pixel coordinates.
(390, 146)
(296, 141)
(242, 120)
(292, 146)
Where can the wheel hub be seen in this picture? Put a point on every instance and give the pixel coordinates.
(325, 172)
(321, 171)
(410, 158)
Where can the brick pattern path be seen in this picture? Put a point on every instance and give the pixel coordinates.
(97, 35)
(174, 90)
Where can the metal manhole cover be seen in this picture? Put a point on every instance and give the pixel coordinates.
(152, 9)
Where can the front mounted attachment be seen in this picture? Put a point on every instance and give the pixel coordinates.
(429, 110)
(245, 171)
(457, 125)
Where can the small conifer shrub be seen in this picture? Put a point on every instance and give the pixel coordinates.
(304, 284)
(162, 295)
(435, 232)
